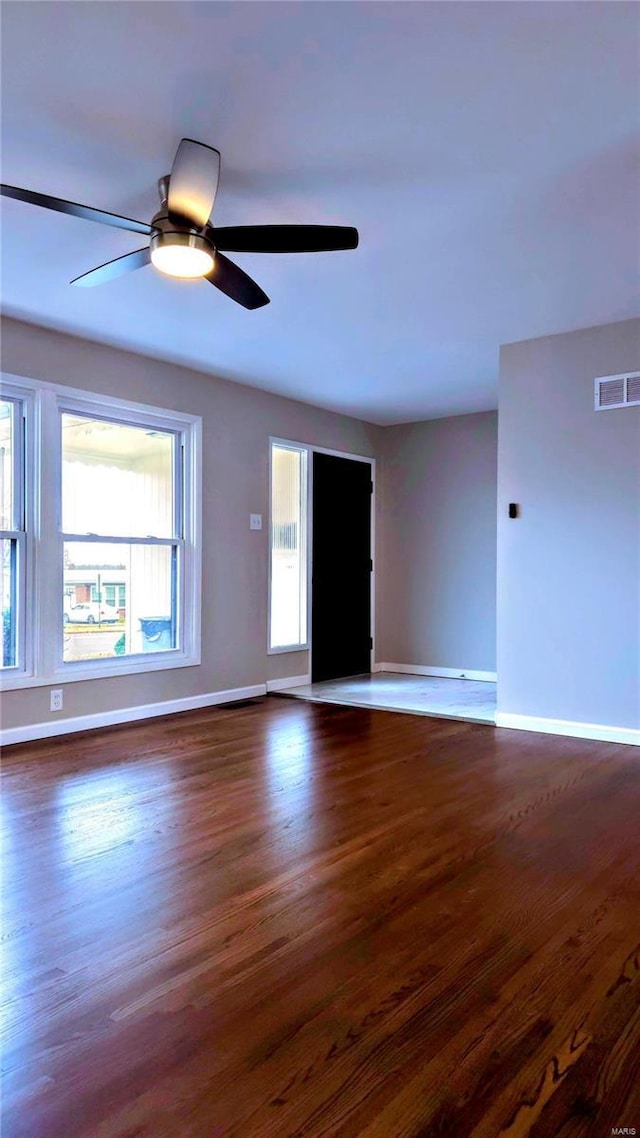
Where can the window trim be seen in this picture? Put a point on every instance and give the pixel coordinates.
(45, 504)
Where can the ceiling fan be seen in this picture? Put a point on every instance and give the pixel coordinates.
(183, 241)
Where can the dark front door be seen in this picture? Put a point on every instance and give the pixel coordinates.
(341, 587)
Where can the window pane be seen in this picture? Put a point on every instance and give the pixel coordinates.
(288, 547)
(8, 552)
(7, 444)
(140, 578)
(117, 480)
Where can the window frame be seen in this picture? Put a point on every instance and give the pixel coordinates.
(23, 531)
(44, 499)
(305, 528)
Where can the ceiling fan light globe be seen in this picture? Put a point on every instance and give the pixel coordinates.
(184, 255)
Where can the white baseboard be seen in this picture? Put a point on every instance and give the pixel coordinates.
(448, 673)
(53, 727)
(291, 682)
(569, 727)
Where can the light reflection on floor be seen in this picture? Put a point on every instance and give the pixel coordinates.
(90, 829)
(289, 773)
(421, 695)
(97, 815)
(106, 829)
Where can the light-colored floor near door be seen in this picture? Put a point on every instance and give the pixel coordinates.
(420, 695)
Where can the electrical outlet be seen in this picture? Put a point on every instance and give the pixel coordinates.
(56, 699)
(255, 521)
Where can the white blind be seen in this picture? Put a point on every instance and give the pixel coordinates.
(288, 623)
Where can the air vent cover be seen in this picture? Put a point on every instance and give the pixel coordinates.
(617, 390)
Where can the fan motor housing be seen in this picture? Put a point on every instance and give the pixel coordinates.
(162, 223)
(170, 235)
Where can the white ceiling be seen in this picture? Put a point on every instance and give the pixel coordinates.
(487, 152)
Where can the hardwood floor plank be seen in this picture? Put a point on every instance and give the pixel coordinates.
(292, 920)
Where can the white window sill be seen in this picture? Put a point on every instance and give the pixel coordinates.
(288, 648)
(72, 673)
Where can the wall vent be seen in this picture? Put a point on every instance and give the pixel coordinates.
(617, 390)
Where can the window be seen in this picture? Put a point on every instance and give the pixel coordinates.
(13, 529)
(114, 595)
(121, 517)
(115, 573)
(288, 548)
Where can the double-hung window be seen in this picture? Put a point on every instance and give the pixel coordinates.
(121, 521)
(111, 581)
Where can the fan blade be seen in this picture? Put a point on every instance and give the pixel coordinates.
(105, 273)
(85, 211)
(235, 283)
(284, 238)
(193, 183)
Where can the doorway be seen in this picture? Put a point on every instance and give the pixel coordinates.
(341, 584)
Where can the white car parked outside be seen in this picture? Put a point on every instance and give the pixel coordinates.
(90, 612)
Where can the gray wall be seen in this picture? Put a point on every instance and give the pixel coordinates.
(569, 569)
(237, 422)
(437, 510)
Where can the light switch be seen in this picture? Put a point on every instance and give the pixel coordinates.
(255, 521)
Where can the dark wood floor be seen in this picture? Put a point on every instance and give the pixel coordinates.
(301, 920)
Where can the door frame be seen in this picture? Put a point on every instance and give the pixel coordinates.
(312, 449)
